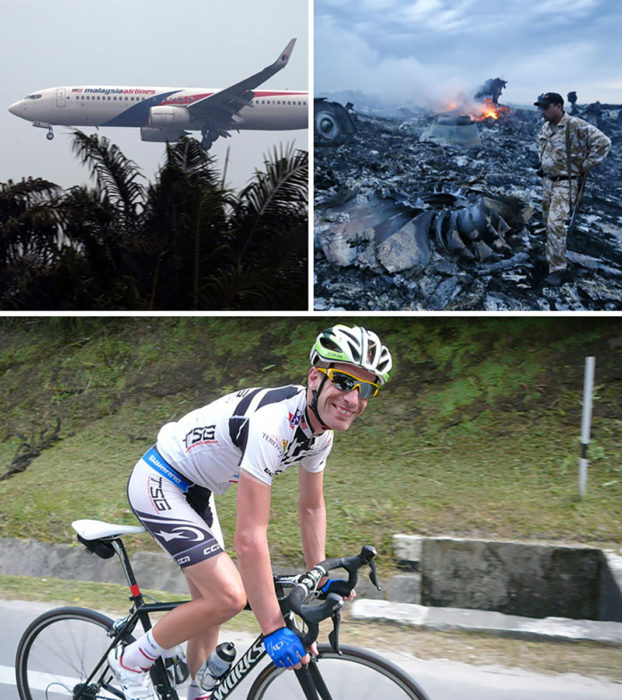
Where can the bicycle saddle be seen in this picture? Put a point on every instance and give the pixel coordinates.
(97, 529)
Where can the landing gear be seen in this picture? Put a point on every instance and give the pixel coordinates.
(45, 125)
(207, 140)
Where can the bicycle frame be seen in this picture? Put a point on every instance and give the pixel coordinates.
(229, 681)
(308, 676)
(141, 612)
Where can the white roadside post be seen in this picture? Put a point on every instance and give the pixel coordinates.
(588, 386)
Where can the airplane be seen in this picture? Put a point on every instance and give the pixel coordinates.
(165, 114)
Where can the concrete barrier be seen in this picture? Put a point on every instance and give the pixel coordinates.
(400, 600)
(516, 578)
(153, 570)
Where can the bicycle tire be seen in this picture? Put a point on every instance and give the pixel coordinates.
(59, 650)
(369, 676)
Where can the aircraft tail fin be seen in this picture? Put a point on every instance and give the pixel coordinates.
(283, 58)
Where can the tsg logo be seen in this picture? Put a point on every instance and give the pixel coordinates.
(200, 436)
(157, 494)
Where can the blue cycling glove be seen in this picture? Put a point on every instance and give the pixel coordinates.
(284, 647)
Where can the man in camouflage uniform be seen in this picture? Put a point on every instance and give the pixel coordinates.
(568, 148)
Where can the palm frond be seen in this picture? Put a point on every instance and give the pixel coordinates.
(276, 195)
(186, 157)
(234, 287)
(116, 176)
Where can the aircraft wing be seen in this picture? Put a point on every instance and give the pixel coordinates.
(217, 110)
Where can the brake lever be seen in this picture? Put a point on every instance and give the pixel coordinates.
(367, 556)
(373, 575)
(333, 636)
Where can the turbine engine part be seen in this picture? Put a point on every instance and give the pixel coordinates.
(160, 135)
(332, 125)
(166, 117)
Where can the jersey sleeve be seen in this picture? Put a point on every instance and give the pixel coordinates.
(317, 461)
(262, 453)
(271, 446)
(265, 444)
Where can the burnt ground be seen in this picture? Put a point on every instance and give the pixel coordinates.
(386, 175)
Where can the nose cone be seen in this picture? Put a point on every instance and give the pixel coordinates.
(16, 108)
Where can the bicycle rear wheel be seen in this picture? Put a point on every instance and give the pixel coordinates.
(356, 674)
(60, 650)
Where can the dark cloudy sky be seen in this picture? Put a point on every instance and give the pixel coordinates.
(428, 49)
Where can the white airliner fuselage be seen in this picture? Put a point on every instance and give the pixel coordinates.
(167, 113)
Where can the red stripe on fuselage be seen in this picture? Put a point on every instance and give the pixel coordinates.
(190, 99)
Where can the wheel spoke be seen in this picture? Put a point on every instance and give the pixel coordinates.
(59, 651)
(355, 674)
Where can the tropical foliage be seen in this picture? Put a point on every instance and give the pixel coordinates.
(182, 242)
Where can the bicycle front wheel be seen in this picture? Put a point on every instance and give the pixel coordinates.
(356, 674)
(60, 650)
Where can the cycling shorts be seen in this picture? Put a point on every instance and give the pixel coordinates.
(185, 525)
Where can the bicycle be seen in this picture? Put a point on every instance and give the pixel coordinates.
(63, 652)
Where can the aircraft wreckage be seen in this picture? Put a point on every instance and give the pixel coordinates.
(384, 229)
(409, 215)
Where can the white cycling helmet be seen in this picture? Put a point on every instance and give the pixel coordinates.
(355, 346)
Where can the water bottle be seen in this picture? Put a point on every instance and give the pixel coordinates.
(175, 664)
(218, 663)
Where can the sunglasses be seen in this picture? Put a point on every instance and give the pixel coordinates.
(346, 382)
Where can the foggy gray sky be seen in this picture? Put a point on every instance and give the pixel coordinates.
(185, 43)
(426, 49)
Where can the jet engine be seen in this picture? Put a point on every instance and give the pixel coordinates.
(167, 117)
(160, 135)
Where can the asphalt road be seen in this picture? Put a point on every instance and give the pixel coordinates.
(442, 679)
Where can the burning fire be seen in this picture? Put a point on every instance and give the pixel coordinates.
(478, 111)
(488, 110)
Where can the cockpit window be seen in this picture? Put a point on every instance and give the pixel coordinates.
(36, 96)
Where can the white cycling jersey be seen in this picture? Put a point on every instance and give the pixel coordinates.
(262, 431)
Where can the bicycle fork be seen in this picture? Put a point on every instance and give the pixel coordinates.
(311, 682)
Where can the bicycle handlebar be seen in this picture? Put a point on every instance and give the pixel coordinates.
(307, 584)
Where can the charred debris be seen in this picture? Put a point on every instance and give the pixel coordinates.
(422, 211)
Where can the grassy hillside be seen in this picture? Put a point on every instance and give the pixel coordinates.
(478, 432)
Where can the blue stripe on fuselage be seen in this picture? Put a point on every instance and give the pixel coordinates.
(138, 114)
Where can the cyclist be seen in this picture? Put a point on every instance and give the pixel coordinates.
(246, 438)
